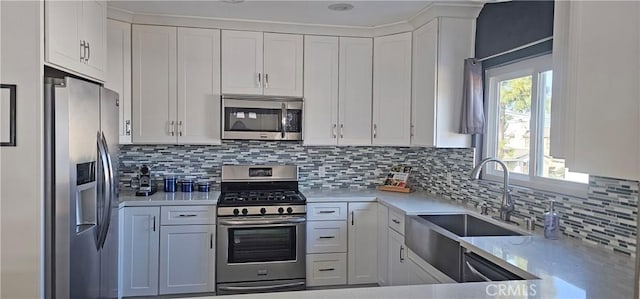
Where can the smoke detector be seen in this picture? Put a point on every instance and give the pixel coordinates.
(340, 6)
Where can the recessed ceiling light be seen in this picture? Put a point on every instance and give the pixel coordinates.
(340, 6)
(233, 1)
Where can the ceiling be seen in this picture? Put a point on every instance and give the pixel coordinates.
(364, 13)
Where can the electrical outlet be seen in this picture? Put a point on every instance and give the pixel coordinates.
(322, 171)
(449, 177)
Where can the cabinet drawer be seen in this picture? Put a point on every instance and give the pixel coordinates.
(178, 215)
(327, 211)
(326, 236)
(326, 269)
(396, 221)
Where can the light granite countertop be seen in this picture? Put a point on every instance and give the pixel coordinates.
(567, 268)
(129, 199)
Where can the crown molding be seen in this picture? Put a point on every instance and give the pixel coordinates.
(120, 14)
(467, 9)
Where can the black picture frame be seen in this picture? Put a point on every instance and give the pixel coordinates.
(12, 115)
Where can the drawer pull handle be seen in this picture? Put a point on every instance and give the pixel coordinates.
(327, 237)
(327, 212)
(395, 221)
(187, 215)
(327, 269)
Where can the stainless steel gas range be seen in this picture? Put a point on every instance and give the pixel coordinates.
(261, 230)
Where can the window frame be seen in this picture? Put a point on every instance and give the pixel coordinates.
(534, 67)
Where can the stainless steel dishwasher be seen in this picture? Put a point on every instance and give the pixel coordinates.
(476, 268)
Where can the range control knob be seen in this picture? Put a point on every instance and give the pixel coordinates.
(236, 212)
(263, 211)
(289, 210)
(280, 210)
(245, 211)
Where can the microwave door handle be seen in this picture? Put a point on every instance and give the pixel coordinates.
(284, 120)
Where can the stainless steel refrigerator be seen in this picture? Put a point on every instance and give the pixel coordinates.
(81, 183)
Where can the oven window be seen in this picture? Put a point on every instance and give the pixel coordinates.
(267, 244)
(252, 119)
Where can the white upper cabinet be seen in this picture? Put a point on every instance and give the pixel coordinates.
(94, 32)
(602, 111)
(392, 89)
(355, 79)
(176, 85)
(118, 76)
(256, 63)
(198, 86)
(283, 56)
(337, 90)
(154, 84)
(439, 47)
(321, 90)
(75, 36)
(242, 62)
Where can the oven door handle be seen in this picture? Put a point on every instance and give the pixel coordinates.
(245, 222)
(263, 288)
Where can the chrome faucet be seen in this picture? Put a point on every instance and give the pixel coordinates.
(506, 206)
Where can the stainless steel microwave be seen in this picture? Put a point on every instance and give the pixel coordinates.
(261, 117)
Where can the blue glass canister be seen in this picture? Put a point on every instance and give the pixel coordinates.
(170, 183)
(187, 185)
(204, 186)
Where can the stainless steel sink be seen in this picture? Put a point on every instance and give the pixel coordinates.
(464, 225)
(436, 238)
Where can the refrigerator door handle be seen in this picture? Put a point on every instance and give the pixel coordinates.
(108, 182)
(101, 195)
(111, 193)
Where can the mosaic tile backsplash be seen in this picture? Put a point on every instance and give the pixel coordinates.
(606, 218)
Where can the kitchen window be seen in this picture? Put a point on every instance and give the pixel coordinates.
(518, 125)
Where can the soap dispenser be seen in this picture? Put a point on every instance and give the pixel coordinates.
(551, 223)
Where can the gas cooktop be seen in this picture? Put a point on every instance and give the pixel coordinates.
(265, 197)
(260, 191)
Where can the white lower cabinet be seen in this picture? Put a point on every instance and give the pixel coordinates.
(341, 246)
(383, 248)
(160, 257)
(326, 236)
(187, 259)
(326, 269)
(139, 249)
(363, 243)
(398, 272)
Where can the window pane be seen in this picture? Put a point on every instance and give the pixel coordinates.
(551, 167)
(514, 118)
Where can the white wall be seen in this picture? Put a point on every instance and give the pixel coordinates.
(21, 167)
